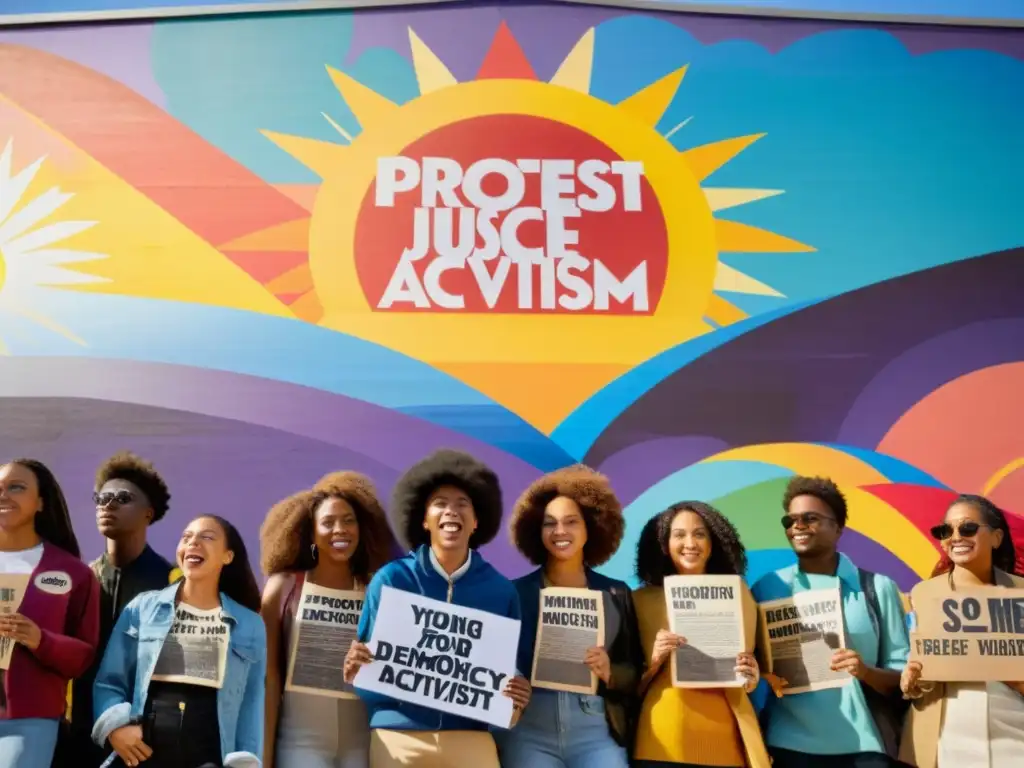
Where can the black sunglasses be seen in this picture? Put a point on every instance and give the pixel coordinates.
(968, 529)
(806, 519)
(107, 497)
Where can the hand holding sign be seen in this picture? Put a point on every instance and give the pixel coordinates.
(597, 659)
(358, 655)
(847, 660)
(22, 629)
(664, 643)
(518, 689)
(746, 667)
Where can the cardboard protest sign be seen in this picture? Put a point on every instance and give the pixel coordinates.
(195, 650)
(718, 617)
(571, 621)
(12, 590)
(326, 623)
(802, 633)
(970, 635)
(443, 656)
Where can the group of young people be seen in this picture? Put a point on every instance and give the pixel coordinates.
(109, 630)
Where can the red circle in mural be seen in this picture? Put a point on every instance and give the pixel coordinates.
(511, 214)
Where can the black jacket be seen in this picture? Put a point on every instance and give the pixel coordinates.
(624, 651)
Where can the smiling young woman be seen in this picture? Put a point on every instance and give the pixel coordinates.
(335, 535)
(443, 508)
(967, 724)
(154, 709)
(56, 627)
(568, 522)
(690, 726)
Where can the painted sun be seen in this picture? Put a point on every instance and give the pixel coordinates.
(653, 277)
(32, 259)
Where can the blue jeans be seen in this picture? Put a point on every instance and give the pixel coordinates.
(561, 730)
(27, 743)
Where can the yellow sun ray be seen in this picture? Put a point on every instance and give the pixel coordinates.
(722, 198)
(734, 237)
(431, 73)
(319, 156)
(650, 103)
(1001, 474)
(708, 158)
(48, 324)
(369, 107)
(732, 280)
(723, 312)
(575, 71)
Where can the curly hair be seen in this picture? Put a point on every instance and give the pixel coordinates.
(821, 488)
(286, 536)
(1005, 557)
(140, 473)
(602, 513)
(53, 522)
(446, 467)
(653, 561)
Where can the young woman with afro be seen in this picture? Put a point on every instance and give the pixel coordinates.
(334, 535)
(690, 726)
(444, 508)
(568, 522)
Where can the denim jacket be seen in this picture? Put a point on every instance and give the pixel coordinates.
(122, 682)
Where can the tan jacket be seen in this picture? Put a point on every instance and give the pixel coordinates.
(920, 744)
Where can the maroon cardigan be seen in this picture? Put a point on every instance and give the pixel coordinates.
(63, 598)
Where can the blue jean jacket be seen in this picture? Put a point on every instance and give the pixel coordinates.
(122, 682)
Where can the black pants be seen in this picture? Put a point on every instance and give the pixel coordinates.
(180, 725)
(784, 758)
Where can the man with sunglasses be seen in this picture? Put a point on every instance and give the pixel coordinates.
(130, 495)
(857, 725)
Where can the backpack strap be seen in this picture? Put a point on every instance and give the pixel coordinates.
(867, 586)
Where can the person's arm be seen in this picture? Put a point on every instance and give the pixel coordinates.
(249, 729)
(274, 594)
(884, 677)
(70, 653)
(112, 691)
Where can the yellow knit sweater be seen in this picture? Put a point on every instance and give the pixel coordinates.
(702, 726)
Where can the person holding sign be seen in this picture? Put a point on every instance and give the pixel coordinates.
(980, 725)
(854, 725)
(319, 548)
(181, 682)
(49, 625)
(690, 726)
(582, 711)
(444, 507)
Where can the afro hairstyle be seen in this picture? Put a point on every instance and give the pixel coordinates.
(653, 561)
(286, 536)
(821, 488)
(446, 467)
(593, 494)
(140, 473)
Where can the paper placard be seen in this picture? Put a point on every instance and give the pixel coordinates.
(718, 617)
(195, 649)
(12, 590)
(570, 622)
(802, 633)
(326, 623)
(443, 656)
(970, 635)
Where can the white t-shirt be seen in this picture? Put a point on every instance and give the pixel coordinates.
(195, 650)
(983, 727)
(23, 561)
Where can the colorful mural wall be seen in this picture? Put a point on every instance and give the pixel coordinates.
(701, 254)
